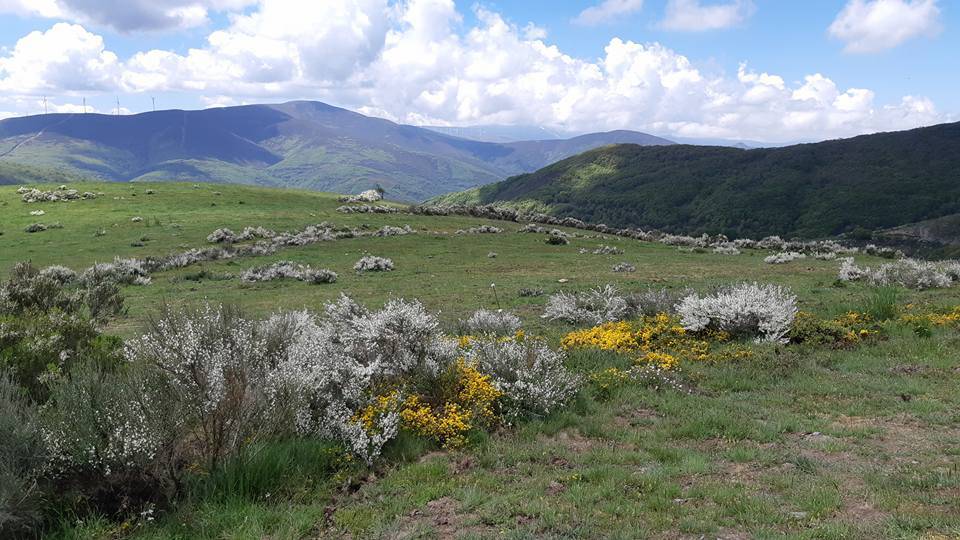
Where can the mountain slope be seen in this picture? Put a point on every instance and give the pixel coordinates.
(301, 144)
(871, 181)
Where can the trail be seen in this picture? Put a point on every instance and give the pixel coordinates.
(32, 138)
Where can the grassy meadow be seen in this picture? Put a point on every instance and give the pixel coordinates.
(797, 441)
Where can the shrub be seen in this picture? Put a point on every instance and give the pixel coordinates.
(215, 364)
(120, 271)
(726, 250)
(607, 250)
(595, 306)
(653, 302)
(482, 229)
(531, 376)
(390, 230)
(498, 323)
(526, 292)
(624, 267)
(111, 438)
(288, 270)
(909, 273)
(761, 311)
(35, 227)
(21, 459)
(370, 263)
(556, 240)
(784, 257)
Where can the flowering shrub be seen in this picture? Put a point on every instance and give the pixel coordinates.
(35, 228)
(21, 457)
(784, 257)
(465, 401)
(290, 270)
(910, 273)
(120, 271)
(531, 376)
(763, 311)
(612, 336)
(726, 250)
(482, 229)
(850, 329)
(371, 263)
(498, 323)
(390, 230)
(60, 274)
(624, 267)
(607, 250)
(594, 306)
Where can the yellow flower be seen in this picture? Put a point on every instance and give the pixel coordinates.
(664, 361)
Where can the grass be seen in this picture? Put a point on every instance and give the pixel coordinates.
(798, 442)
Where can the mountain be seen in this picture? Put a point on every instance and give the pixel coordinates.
(298, 144)
(498, 134)
(808, 190)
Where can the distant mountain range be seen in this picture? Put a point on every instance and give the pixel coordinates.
(860, 184)
(302, 144)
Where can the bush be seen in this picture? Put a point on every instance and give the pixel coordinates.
(370, 263)
(288, 270)
(215, 365)
(497, 323)
(595, 306)
(624, 267)
(557, 240)
(784, 257)
(764, 312)
(21, 459)
(531, 376)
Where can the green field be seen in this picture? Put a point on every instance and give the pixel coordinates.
(796, 442)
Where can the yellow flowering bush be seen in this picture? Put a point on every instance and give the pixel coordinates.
(466, 401)
(941, 318)
(607, 380)
(849, 329)
(661, 340)
(613, 336)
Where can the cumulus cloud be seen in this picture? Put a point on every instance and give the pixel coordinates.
(125, 15)
(64, 58)
(875, 25)
(416, 63)
(607, 11)
(692, 16)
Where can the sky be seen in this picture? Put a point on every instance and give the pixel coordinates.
(763, 70)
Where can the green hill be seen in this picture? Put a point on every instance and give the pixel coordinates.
(301, 144)
(808, 190)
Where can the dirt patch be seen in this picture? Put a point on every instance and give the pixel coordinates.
(442, 517)
(902, 437)
(572, 440)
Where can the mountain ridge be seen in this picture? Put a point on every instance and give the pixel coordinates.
(306, 144)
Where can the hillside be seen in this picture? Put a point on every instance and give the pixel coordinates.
(809, 190)
(847, 431)
(297, 144)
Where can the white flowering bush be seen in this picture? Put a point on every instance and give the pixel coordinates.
(595, 306)
(288, 270)
(372, 263)
(22, 455)
(784, 257)
(624, 267)
(390, 230)
(531, 375)
(60, 274)
(482, 229)
(726, 249)
(764, 312)
(121, 271)
(216, 365)
(909, 273)
(604, 249)
(497, 323)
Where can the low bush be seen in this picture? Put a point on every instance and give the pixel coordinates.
(497, 323)
(593, 306)
(371, 263)
(764, 312)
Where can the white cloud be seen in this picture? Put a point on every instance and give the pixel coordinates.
(416, 63)
(125, 15)
(876, 25)
(607, 11)
(692, 16)
(64, 58)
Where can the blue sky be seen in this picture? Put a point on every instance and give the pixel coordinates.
(813, 70)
